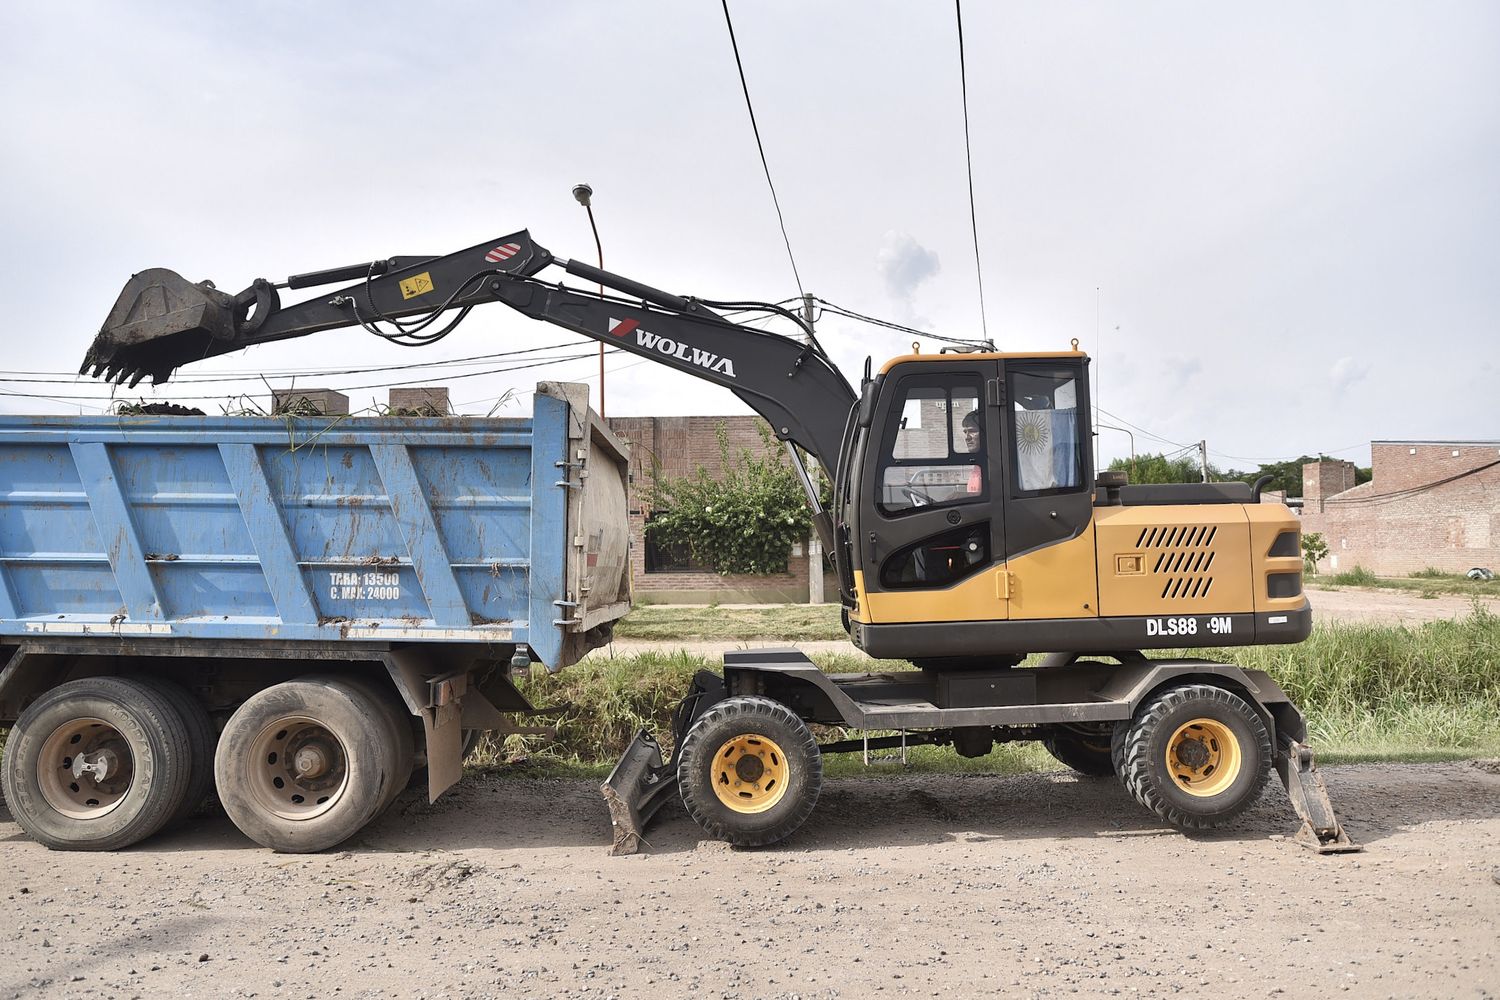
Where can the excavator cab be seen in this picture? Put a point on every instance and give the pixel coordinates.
(974, 529)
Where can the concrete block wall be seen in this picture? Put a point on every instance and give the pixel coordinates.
(422, 399)
(329, 402)
(1430, 503)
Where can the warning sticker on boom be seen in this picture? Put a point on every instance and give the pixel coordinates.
(417, 284)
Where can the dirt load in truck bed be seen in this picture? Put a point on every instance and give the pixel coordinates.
(1039, 885)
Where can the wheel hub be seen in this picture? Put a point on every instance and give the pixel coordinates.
(297, 768)
(750, 773)
(1204, 757)
(85, 768)
(311, 761)
(105, 765)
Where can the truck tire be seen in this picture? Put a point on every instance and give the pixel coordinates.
(398, 734)
(96, 764)
(1197, 755)
(201, 740)
(304, 765)
(749, 771)
(1085, 747)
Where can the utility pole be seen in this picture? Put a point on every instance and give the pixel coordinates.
(1203, 458)
(814, 543)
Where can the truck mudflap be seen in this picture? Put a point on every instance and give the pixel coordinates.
(1320, 830)
(642, 782)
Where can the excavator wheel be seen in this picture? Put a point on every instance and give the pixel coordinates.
(1085, 747)
(749, 771)
(1197, 755)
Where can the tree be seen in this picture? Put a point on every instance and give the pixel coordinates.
(1313, 550)
(1160, 469)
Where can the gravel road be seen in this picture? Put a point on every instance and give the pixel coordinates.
(1041, 885)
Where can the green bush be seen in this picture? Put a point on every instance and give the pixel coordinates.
(744, 521)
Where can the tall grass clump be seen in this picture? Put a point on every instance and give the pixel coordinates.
(1356, 577)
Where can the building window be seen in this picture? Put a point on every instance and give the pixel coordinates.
(665, 558)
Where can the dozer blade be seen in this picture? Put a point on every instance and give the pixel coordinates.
(639, 785)
(160, 322)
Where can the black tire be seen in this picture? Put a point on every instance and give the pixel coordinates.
(1084, 747)
(1140, 750)
(398, 733)
(202, 738)
(340, 729)
(137, 736)
(740, 723)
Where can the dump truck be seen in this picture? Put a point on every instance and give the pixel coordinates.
(296, 613)
(971, 536)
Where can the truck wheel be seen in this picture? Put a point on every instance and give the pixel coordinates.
(305, 764)
(1196, 755)
(398, 734)
(201, 739)
(96, 764)
(749, 771)
(1085, 747)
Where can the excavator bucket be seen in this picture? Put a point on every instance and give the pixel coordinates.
(160, 322)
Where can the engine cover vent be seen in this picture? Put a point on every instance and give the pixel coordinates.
(1181, 556)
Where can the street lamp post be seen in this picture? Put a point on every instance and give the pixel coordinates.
(585, 195)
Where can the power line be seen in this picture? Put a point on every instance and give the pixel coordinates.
(71, 378)
(758, 145)
(355, 388)
(1150, 434)
(887, 324)
(963, 78)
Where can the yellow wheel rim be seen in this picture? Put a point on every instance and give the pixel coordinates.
(1204, 757)
(750, 773)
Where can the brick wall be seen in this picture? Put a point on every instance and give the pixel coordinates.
(677, 446)
(1407, 518)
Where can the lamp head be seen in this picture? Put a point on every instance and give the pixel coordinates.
(583, 193)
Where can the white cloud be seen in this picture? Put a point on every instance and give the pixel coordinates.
(1347, 372)
(904, 264)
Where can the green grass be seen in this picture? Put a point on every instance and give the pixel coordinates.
(1427, 582)
(1424, 692)
(789, 622)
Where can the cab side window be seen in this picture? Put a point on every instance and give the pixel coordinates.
(933, 449)
(1045, 437)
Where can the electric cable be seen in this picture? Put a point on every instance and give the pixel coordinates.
(759, 145)
(926, 334)
(64, 378)
(963, 78)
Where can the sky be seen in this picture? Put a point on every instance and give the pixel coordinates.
(1274, 226)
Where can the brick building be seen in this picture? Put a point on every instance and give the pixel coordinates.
(1429, 503)
(677, 446)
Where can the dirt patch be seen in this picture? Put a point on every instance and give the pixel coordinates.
(1041, 885)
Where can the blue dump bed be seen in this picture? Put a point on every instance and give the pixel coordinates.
(507, 530)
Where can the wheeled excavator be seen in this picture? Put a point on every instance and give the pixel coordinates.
(971, 537)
